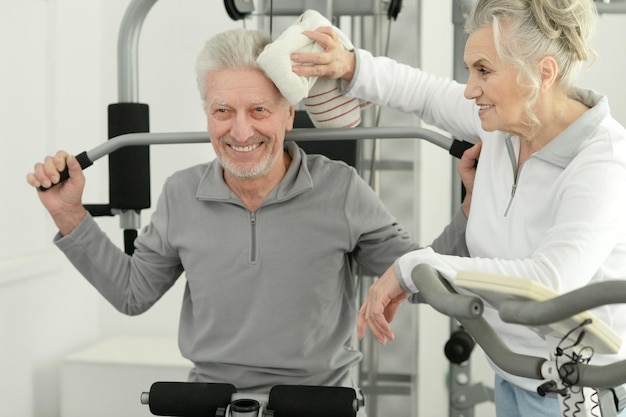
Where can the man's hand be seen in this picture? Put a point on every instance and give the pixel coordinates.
(62, 200)
(383, 301)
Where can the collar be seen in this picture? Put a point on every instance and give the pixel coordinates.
(297, 180)
(563, 148)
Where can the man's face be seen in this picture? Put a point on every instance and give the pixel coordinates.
(247, 118)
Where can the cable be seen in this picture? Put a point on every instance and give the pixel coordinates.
(596, 411)
(378, 109)
(271, 16)
(569, 371)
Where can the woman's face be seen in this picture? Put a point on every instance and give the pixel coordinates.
(493, 85)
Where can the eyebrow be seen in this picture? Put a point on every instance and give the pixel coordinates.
(478, 63)
(253, 103)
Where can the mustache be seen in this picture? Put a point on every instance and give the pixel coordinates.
(254, 140)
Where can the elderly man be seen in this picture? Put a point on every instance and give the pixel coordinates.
(265, 235)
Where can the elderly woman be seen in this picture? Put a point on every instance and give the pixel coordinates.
(548, 202)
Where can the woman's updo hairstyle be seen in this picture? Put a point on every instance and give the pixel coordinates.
(525, 31)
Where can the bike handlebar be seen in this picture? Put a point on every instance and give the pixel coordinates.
(434, 288)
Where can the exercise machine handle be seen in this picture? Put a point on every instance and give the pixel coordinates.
(433, 288)
(537, 313)
(84, 162)
(453, 146)
(437, 291)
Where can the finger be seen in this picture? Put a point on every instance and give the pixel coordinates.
(391, 311)
(377, 322)
(40, 176)
(381, 328)
(469, 159)
(474, 152)
(314, 71)
(74, 168)
(324, 35)
(310, 58)
(32, 180)
(52, 167)
(327, 30)
(60, 159)
(361, 322)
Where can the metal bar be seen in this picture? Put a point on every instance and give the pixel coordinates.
(127, 47)
(131, 139)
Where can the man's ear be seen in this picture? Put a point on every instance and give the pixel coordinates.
(290, 119)
(548, 69)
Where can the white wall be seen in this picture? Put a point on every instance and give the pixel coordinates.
(58, 74)
(44, 310)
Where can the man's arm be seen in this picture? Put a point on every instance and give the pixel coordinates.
(452, 240)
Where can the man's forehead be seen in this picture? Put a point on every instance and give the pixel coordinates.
(220, 101)
(250, 86)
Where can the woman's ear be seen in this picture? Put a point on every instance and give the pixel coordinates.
(548, 69)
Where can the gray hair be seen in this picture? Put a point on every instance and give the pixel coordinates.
(535, 29)
(237, 48)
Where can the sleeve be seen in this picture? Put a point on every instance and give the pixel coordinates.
(132, 284)
(585, 239)
(378, 237)
(451, 241)
(436, 100)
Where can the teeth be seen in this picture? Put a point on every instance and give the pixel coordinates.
(485, 106)
(246, 148)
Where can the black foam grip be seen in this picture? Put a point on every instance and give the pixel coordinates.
(129, 240)
(458, 147)
(97, 210)
(312, 401)
(84, 162)
(189, 399)
(129, 167)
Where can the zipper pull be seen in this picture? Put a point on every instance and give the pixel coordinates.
(513, 188)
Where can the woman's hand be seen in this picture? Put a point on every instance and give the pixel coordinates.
(467, 171)
(384, 299)
(334, 62)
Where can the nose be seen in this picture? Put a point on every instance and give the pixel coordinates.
(472, 90)
(241, 129)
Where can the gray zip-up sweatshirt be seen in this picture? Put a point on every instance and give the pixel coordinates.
(270, 295)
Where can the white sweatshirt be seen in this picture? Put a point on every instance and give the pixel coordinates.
(561, 221)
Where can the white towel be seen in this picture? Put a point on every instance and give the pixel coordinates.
(322, 97)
